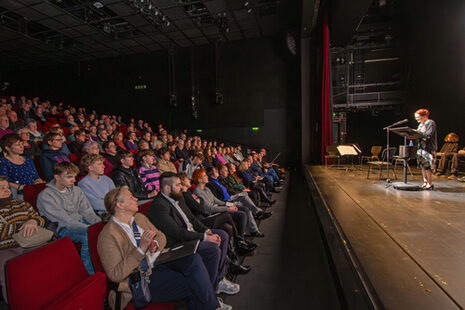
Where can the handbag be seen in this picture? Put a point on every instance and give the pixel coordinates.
(139, 280)
(139, 285)
(42, 236)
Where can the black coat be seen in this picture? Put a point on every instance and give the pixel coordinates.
(165, 217)
(130, 177)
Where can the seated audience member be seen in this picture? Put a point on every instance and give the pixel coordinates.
(131, 142)
(212, 204)
(93, 133)
(170, 214)
(208, 158)
(148, 171)
(190, 165)
(102, 136)
(57, 129)
(4, 125)
(15, 123)
(164, 164)
(36, 136)
(20, 170)
(111, 160)
(76, 146)
(70, 122)
(238, 184)
(95, 184)
(218, 156)
(18, 216)
(72, 130)
(118, 139)
(446, 153)
(31, 149)
(124, 173)
(180, 153)
(251, 178)
(258, 168)
(456, 158)
(172, 146)
(63, 202)
(39, 116)
(52, 154)
(129, 241)
(25, 112)
(91, 147)
(238, 154)
(241, 200)
(223, 220)
(232, 190)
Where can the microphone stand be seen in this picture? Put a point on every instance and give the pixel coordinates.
(388, 128)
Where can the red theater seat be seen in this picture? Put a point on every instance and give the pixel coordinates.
(53, 277)
(31, 192)
(93, 232)
(144, 208)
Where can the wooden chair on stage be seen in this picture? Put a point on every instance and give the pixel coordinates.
(383, 162)
(331, 153)
(375, 150)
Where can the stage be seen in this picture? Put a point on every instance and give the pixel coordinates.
(407, 247)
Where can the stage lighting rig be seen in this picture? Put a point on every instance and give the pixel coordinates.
(148, 9)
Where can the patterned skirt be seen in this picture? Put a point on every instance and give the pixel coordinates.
(424, 159)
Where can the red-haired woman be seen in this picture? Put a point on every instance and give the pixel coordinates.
(427, 146)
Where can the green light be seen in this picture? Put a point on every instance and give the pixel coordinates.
(199, 130)
(255, 128)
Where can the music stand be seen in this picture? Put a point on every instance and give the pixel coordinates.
(347, 150)
(410, 134)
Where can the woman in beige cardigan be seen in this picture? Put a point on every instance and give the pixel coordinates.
(181, 279)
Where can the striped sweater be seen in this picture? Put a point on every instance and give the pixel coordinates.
(150, 177)
(14, 215)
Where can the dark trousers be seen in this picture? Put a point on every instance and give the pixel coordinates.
(443, 161)
(183, 279)
(214, 257)
(222, 221)
(455, 162)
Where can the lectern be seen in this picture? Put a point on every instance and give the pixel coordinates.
(406, 152)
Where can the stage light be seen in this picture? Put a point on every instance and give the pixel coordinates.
(249, 10)
(246, 3)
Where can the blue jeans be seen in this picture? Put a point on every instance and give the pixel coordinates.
(79, 234)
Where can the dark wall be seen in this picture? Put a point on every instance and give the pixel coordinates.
(433, 43)
(258, 78)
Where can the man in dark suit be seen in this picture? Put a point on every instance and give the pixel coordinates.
(169, 213)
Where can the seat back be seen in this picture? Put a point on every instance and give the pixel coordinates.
(31, 192)
(375, 150)
(37, 278)
(332, 150)
(392, 152)
(144, 208)
(93, 231)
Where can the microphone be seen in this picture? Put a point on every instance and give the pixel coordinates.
(400, 122)
(396, 123)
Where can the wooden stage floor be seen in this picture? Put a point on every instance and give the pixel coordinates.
(410, 244)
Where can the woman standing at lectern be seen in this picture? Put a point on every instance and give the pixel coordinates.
(427, 146)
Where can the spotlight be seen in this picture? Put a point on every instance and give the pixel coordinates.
(246, 3)
(98, 4)
(249, 10)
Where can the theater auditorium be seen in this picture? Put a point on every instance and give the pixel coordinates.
(232, 154)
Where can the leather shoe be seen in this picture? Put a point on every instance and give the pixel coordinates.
(245, 246)
(262, 215)
(257, 234)
(237, 269)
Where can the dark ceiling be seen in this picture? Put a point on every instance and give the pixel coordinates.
(34, 32)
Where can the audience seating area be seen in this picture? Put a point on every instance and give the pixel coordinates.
(53, 276)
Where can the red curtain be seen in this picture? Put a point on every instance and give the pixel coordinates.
(326, 138)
